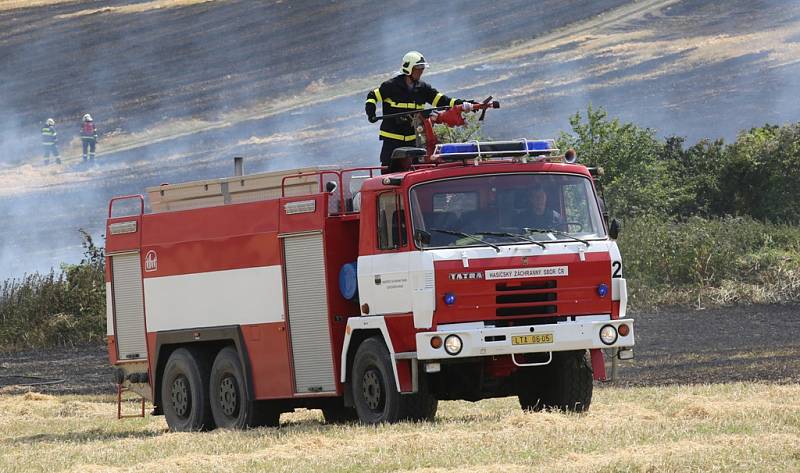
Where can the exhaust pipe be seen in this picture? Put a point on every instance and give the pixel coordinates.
(238, 166)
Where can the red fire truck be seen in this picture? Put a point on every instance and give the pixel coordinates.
(486, 270)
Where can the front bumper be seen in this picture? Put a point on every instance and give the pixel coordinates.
(481, 340)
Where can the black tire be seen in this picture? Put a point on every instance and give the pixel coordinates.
(184, 392)
(530, 388)
(266, 415)
(422, 406)
(231, 405)
(566, 384)
(338, 413)
(375, 394)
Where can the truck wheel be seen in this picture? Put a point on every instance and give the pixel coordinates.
(230, 404)
(338, 413)
(421, 406)
(266, 415)
(530, 389)
(567, 384)
(184, 389)
(375, 394)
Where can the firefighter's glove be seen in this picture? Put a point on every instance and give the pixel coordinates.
(466, 106)
(372, 118)
(434, 116)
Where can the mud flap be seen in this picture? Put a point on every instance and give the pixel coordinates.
(598, 364)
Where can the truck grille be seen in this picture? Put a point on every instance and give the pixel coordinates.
(526, 298)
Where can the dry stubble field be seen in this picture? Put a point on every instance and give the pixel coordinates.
(717, 427)
(655, 418)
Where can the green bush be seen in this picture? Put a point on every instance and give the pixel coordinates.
(757, 176)
(56, 309)
(710, 261)
(636, 180)
(762, 174)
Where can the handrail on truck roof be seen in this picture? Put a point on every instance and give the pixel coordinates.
(126, 197)
(321, 174)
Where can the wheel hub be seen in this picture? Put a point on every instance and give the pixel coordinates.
(229, 396)
(181, 400)
(372, 389)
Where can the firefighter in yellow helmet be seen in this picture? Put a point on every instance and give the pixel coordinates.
(402, 93)
(50, 141)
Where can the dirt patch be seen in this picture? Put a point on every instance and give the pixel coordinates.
(673, 346)
(80, 370)
(741, 343)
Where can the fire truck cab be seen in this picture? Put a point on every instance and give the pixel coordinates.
(486, 271)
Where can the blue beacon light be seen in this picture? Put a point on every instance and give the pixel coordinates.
(449, 299)
(602, 290)
(531, 145)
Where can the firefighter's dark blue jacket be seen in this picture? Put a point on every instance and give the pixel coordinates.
(395, 96)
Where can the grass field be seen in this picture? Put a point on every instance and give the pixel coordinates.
(722, 427)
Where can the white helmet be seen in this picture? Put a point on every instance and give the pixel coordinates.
(50, 122)
(87, 118)
(412, 59)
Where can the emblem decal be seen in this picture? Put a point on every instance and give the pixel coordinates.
(151, 261)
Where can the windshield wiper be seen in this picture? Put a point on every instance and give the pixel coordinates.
(466, 235)
(513, 235)
(553, 230)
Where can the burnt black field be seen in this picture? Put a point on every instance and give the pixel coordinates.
(178, 91)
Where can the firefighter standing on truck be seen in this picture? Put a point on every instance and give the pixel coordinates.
(88, 137)
(403, 93)
(50, 141)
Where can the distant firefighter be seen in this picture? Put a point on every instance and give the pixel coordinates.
(50, 141)
(88, 137)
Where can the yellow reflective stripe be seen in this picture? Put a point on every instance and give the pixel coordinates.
(372, 101)
(452, 102)
(436, 99)
(395, 136)
(378, 95)
(411, 105)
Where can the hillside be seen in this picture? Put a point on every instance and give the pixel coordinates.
(178, 88)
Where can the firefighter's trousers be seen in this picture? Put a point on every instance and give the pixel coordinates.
(88, 148)
(50, 149)
(389, 145)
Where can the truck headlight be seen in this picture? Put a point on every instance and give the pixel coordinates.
(608, 334)
(452, 344)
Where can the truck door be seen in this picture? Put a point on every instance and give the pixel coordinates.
(307, 299)
(396, 279)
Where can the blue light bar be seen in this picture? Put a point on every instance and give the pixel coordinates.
(498, 148)
(541, 145)
(452, 148)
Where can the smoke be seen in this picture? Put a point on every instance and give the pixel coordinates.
(177, 92)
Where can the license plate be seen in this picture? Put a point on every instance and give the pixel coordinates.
(536, 339)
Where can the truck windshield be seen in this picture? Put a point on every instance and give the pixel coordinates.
(508, 209)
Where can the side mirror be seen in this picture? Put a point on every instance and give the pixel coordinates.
(613, 229)
(422, 238)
